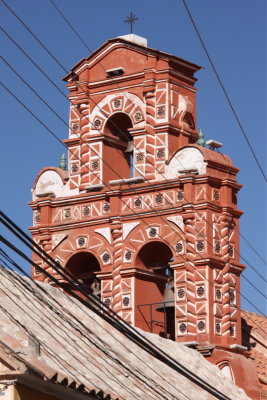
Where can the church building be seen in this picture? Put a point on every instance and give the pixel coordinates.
(146, 215)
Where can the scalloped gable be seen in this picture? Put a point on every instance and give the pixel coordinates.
(52, 181)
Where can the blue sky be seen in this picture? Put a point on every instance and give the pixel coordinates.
(234, 33)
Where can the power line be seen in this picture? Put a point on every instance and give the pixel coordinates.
(50, 257)
(88, 48)
(71, 320)
(32, 61)
(247, 262)
(34, 91)
(54, 135)
(199, 254)
(255, 287)
(70, 25)
(202, 257)
(224, 91)
(252, 248)
(70, 152)
(33, 34)
(149, 346)
(33, 246)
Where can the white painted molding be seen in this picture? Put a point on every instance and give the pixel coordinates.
(185, 160)
(127, 228)
(105, 232)
(138, 179)
(178, 221)
(57, 238)
(94, 188)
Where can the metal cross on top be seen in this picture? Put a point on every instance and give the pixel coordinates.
(131, 20)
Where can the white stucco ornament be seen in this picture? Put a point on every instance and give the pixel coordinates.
(178, 221)
(57, 238)
(127, 228)
(137, 104)
(184, 161)
(50, 184)
(105, 232)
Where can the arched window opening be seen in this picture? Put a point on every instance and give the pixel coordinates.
(118, 148)
(84, 266)
(155, 299)
(155, 256)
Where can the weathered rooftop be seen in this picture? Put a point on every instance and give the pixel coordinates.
(253, 328)
(59, 340)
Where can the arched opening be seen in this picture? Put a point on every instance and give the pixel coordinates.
(118, 148)
(155, 256)
(155, 289)
(84, 266)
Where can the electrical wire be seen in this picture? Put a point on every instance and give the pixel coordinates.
(30, 260)
(34, 91)
(94, 345)
(247, 299)
(90, 50)
(199, 254)
(127, 349)
(132, 210)
(32, 61)
(112, 123)
(252, 248)
(91, 342)
(89, 121)
(33, 34)
(260, 311)
(1, 0)
(149, 346)
(70, 25)
(62, 120)
(224, 90)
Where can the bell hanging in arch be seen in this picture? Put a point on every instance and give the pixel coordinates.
(168, 297)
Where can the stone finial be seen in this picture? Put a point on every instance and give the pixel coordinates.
(200, 140)
(63, 163)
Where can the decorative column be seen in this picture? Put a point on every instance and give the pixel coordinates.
(190, 238)
(116, 230)
(226, 220)
(46, 244)
(185, 283)
(150, 100)
(84, 169)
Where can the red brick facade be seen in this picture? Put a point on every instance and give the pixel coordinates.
(141, 195)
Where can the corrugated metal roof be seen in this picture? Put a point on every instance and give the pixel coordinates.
(63, 341)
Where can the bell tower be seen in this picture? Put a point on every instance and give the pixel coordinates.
(143, 201)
